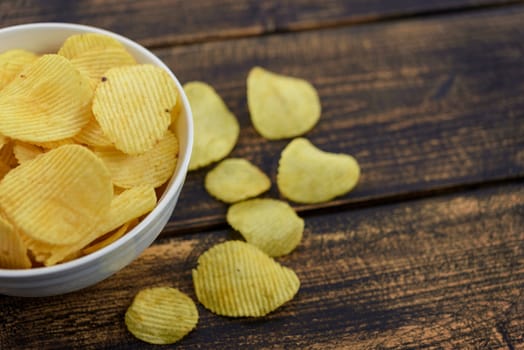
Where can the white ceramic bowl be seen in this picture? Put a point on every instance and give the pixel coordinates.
(90, 269)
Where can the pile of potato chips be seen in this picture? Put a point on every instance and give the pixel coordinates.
(85, 139)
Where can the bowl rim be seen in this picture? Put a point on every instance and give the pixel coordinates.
(174, 185)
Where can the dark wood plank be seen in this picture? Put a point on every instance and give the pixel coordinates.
(422, 104)
(168, 22)
(444, 272)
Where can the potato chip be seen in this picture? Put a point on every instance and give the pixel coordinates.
(13, 62)
(4, 169)
(80, 44)
(216, 128)
(13, 253)
(269, 224)
(161, 315)
(126, 206)
(3, 141)
(236, 179)
(54, 144)
(92, 135)
(153, 167)
(24, 151)
(59, 196)
(133, 106)
(96, 62)
(309, 175)
(47, 101)
(281, 106)
(237, 279)
(7, 155)
(110, 237)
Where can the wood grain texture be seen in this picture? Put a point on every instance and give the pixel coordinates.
(440, 273)
(422, 104)
(168, 22)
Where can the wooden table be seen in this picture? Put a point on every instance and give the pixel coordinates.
(427, 251)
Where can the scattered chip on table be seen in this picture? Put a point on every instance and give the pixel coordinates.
(269, 224)
(161, 315)
(133, 106)
(216, 128)
(281, 106)
(307, 174)
(237, 279)
(236, 179)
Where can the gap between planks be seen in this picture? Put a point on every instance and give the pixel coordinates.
(327, 25)
(218, 222)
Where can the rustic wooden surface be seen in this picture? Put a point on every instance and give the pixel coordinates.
(427, 252)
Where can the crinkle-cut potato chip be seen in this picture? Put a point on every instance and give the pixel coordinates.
(109, 238)
(161, 315)
(269, 224)
(236, 179)
(95, 63)
(3, 141)
(13, 253)
(24, 151)
(92, 135)
(48, 101)
(237, 279)
(153, 167)
(128, 205)
(13, 62)
(281, 106)
(4, 169)
(308, 175)
(55, 144)
(7, 155)
(80, 44)
(133, 106)
(216, 128)
(59, 196)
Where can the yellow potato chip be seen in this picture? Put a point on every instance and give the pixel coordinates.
(92, 135)
(161, 315)
(281, 106)
(7, 155)
(54, 144)
(13, 253)
(309, 175)
(153, 167)
(24, 151)
(80, 44)
(4, 169)
(48, 101)
(96, 62)
(3, 141)
(269, 224)
(109, 238)
(236, 179)
(237, 279)
(216, 128)
(126, 206)
(13, 62)
(133, 106)
(57, 197)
